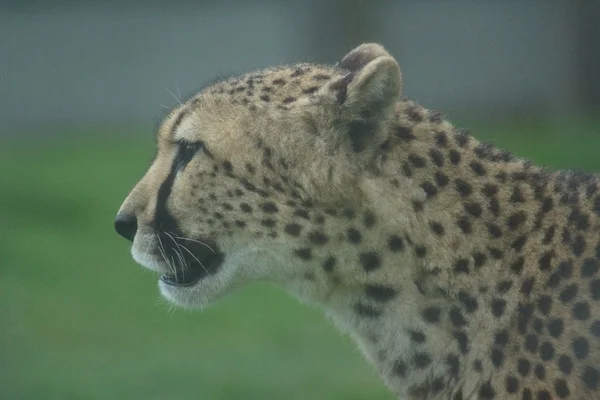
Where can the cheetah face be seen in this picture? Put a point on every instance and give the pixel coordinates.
(234, 164)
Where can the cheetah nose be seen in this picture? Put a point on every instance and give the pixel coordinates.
(126, 225)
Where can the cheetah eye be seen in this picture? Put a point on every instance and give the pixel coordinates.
(185, 152)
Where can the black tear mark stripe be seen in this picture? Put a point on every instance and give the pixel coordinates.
(186, 150)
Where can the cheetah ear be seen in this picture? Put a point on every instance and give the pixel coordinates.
(368, 93)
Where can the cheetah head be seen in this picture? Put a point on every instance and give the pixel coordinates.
(242, 164)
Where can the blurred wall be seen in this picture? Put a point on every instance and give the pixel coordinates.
(68, 62)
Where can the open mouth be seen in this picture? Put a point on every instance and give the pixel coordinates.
(189, 260)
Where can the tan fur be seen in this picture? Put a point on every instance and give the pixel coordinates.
(450, 266)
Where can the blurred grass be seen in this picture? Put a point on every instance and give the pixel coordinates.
(79, 320)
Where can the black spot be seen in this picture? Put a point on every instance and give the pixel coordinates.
(555, 327)
(395, 243)
(436, 228)
(478, 168)
(418, 205)
(595, 289)
(578, 245)
(417, 336)
(422, 360)
(473, 208)
(497, 358)
(269, 207)
(461, 266)
(453, 365)
(365, 310)
(581, 310)
(288, 100)
(404, 133)
(547, 205)
(527, 286)
(511, 384)
(354, 236)
(517, 195)
(549, 235)
(546, 351)
(565, 364)
(293, 229)
(318, 238)
(562, 388)
(304, 253)
(429, 189)
(302, 213)
(518, 243)
(590, 377)
(463, 188)
(568, 293)
(479, 259)
(581, 347)
(540, 372)
(457, 318)
(436, 157)
(417, 161)
(531, 343)
(420, 251)
(370, 261)
(498, 306)
(455, 158)
(369, 219)
(310, 90)
(494, 206)
(400, 368)
(245, 207)
(432, 314)
(494, 230)
(523, 366)
(589, 268)
(406, 170)
(463, 341)
(268, 222)
(441, 179)
(543, 395)
(496, 253)
(464, 225)
(489, 190)
(595, 328)
(380, 293)
(545, 261)
(468, 301)
(349, 213)
(486, 391)
(544, 304)
(441, 139)
(516, 220)
(329, 263)
(501, 338)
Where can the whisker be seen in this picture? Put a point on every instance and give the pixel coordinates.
(179, 254)
(196, 258)
(175, 97)
(197, 241)
(161, 249)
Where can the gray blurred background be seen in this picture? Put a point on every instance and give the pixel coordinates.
(68, 61)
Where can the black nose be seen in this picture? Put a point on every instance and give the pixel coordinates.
(126, 225)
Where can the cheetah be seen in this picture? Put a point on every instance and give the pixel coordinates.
(461, 270)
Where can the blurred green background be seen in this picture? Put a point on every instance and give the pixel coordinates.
(80, 87)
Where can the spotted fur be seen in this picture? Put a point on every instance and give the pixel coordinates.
(462, 271)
